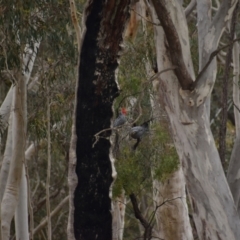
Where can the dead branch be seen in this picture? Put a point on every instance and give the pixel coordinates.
(139, 216)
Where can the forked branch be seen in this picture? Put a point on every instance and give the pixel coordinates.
(175, 48)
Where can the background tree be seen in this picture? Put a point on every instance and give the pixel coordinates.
(44, 56)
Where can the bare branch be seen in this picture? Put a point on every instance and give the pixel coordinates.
(157, 24)
(188, 10)
(214, 54)
(175, 48)
(147, 226)
(53, 213)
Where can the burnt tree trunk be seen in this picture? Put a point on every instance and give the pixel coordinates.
(100, 48)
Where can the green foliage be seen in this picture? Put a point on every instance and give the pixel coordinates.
(167, 159)
(155, 158)
(168, 164)
(49, 22)
(131, 168)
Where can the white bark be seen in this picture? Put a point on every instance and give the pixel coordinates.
(6, 160)
(172, 217)
(29, 57)
(214, 212)
(119, 206)
(21, 214)
(28, 62)
(11, 193)
(28, 155)
(208, 43)
(5, 109)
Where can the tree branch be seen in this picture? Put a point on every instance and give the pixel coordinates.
(175, 48)
(220, 19)
(147, 226)
(53, 213)
(214, 54)
(190, 7)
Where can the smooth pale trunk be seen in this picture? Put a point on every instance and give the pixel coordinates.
(6, 160)
(21, 214)
(172, 218)
(118, 214)
(5, 109)
(18, 129)
(213, 208)
(11, 193)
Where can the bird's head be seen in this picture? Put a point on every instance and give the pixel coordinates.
(124, 111)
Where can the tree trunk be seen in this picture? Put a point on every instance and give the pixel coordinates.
(11, 193)
(5, 109)
(171, 208)
(118, 212)
(171, 217)
(96, 90)
(212, 203)
(21, 214)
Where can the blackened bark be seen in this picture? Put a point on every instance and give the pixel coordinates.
(105, 23)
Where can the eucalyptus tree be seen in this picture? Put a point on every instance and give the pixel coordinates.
(34, 52)
(186, 100)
